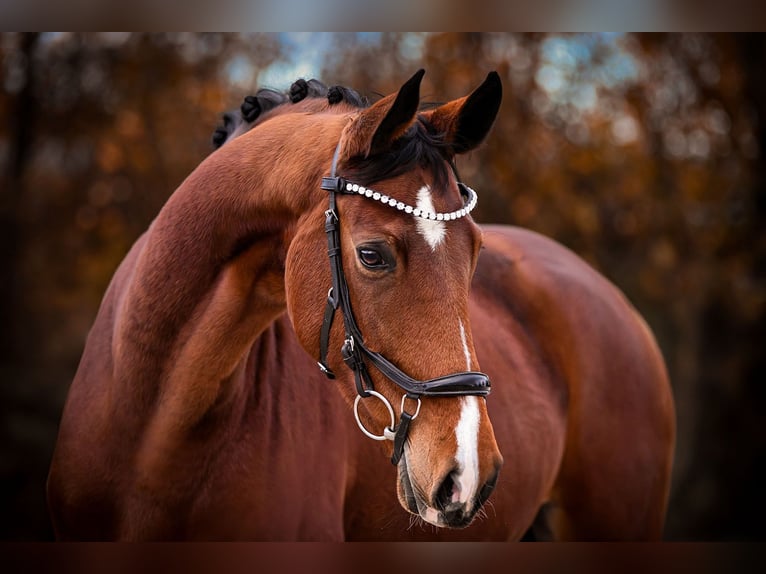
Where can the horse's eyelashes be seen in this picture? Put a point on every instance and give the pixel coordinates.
(371, 258)
(376, 257)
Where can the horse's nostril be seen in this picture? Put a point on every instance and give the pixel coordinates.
(488, 487)
(445, 492)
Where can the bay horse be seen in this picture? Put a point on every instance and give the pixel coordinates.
(318, 280)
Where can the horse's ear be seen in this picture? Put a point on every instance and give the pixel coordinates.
(465, 122)
(375, 128)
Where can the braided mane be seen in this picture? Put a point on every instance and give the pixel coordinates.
(313, 93)
(421, 145)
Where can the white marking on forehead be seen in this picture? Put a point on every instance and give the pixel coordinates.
(467, 454)
(432, 231)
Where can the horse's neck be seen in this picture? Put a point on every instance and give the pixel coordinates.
(209, 276)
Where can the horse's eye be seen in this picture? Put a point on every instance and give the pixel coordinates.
(371, 258)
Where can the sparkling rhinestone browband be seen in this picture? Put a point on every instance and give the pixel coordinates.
(417, 212)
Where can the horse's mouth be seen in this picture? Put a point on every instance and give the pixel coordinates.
(444, 515)
(405, 490)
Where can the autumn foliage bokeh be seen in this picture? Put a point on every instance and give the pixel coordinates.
(642, 153)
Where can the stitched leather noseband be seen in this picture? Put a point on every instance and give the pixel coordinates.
(354, 351)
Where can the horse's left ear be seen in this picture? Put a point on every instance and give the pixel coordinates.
(465, 122)
(375, 128)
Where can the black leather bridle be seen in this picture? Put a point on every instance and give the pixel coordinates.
(355, 352)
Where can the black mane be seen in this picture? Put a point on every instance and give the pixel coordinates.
(236, 122)
(420, 146)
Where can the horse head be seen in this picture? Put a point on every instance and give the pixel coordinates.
(402, 254)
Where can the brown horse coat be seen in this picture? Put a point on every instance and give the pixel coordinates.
(197, 413)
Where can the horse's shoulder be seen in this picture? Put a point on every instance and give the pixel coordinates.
(538, 276)
(538, 261)
(567, 306)
(526, 256)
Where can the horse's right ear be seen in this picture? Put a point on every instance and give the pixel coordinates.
(465, 122)
(375, 128)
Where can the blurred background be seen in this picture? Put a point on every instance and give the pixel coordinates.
(642, 153)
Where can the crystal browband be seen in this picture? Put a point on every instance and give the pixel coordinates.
(347, 187)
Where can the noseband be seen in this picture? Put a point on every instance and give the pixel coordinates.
(354, 351)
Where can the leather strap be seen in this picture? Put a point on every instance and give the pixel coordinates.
(400, 437)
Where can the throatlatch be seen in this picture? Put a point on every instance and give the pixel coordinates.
(354, 351)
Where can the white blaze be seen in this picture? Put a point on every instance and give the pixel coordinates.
(467, 455)
(467, 434)
(432, 231)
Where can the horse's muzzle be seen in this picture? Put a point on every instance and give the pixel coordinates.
(439, 509)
